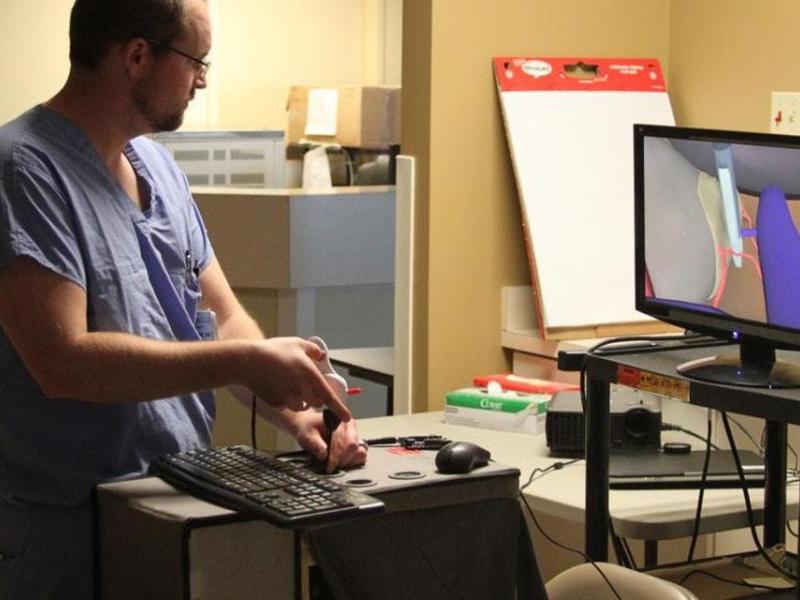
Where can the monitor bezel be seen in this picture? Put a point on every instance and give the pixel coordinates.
(732, 328)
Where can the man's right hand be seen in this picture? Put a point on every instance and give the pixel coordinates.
(284, 373)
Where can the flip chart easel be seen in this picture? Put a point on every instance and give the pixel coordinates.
(569, 123)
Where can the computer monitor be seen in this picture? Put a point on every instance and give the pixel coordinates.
(717, 245)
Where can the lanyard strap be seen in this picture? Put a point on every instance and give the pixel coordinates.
(179, 320)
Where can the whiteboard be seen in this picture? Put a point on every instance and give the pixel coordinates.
(571, 142)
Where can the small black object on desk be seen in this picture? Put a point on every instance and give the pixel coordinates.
(676, 448)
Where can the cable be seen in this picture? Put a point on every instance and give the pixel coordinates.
(542, 472)
(673, 427)
(743, 429)
(622, 551)
(789, 528)
(253, 422)
(796, 457)
(555, 467)
(747, 502)
(701, 493)
(760, 446)
(568, 548)
(424, 556)
(725, 580)
(630, 554)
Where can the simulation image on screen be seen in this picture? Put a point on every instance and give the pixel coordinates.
(720, 228)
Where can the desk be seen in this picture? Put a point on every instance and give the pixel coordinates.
(636, 514)
(204, 542)
(777, 407)
(159, 543)
(372, 364)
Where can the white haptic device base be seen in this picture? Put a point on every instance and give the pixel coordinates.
(336, 381)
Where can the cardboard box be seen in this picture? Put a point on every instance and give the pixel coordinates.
(504, 411)
(352, 116)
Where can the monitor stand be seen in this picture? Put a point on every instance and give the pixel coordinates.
(755, 366)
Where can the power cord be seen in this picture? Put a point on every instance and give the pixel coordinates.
(760, 445)
(701, 493)
(424, 556)
(726, 580)
(568, 548)
(789, 528)
(621, 548)
(630, 554)
(748, 504)
(556, 466)
(542, 472)
(674, 427)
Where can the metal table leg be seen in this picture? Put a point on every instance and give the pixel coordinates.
(775, 485)
(597, 450)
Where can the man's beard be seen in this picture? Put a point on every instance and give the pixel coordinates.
(158, 122)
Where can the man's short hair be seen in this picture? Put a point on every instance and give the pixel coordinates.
(95, 25)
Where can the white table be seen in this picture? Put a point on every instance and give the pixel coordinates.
(637, 514)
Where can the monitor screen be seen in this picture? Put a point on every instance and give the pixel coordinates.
(717, 243)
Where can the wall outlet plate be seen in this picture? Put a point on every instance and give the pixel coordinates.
(785, 113)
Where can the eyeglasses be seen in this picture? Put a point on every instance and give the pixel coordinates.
(201, 67)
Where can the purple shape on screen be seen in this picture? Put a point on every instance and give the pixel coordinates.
(779, 255)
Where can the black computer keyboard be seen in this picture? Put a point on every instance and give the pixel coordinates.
(258, 484)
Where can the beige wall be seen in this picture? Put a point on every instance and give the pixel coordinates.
(722, 59)
(470, 217)
(261, 47)
(33, 52)
(726, 56)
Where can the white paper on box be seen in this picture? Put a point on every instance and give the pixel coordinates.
(571, 142)
(316, 169)
(323, 107)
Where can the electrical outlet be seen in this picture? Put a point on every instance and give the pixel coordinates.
(785, 114)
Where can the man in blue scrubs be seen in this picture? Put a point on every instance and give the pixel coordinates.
(105, 271)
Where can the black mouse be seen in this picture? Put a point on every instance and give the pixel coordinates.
(461, 457)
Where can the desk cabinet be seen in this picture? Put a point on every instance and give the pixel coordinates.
(160, 544)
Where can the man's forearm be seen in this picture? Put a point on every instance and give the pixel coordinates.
(118, 367)
(240, 325)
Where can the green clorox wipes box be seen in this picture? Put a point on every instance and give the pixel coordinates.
(494, 408)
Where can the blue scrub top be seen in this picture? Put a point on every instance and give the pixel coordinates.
(60, 207)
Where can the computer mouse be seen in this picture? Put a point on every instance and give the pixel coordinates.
(461, 457)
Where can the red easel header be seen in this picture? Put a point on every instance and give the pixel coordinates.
(526, 74)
